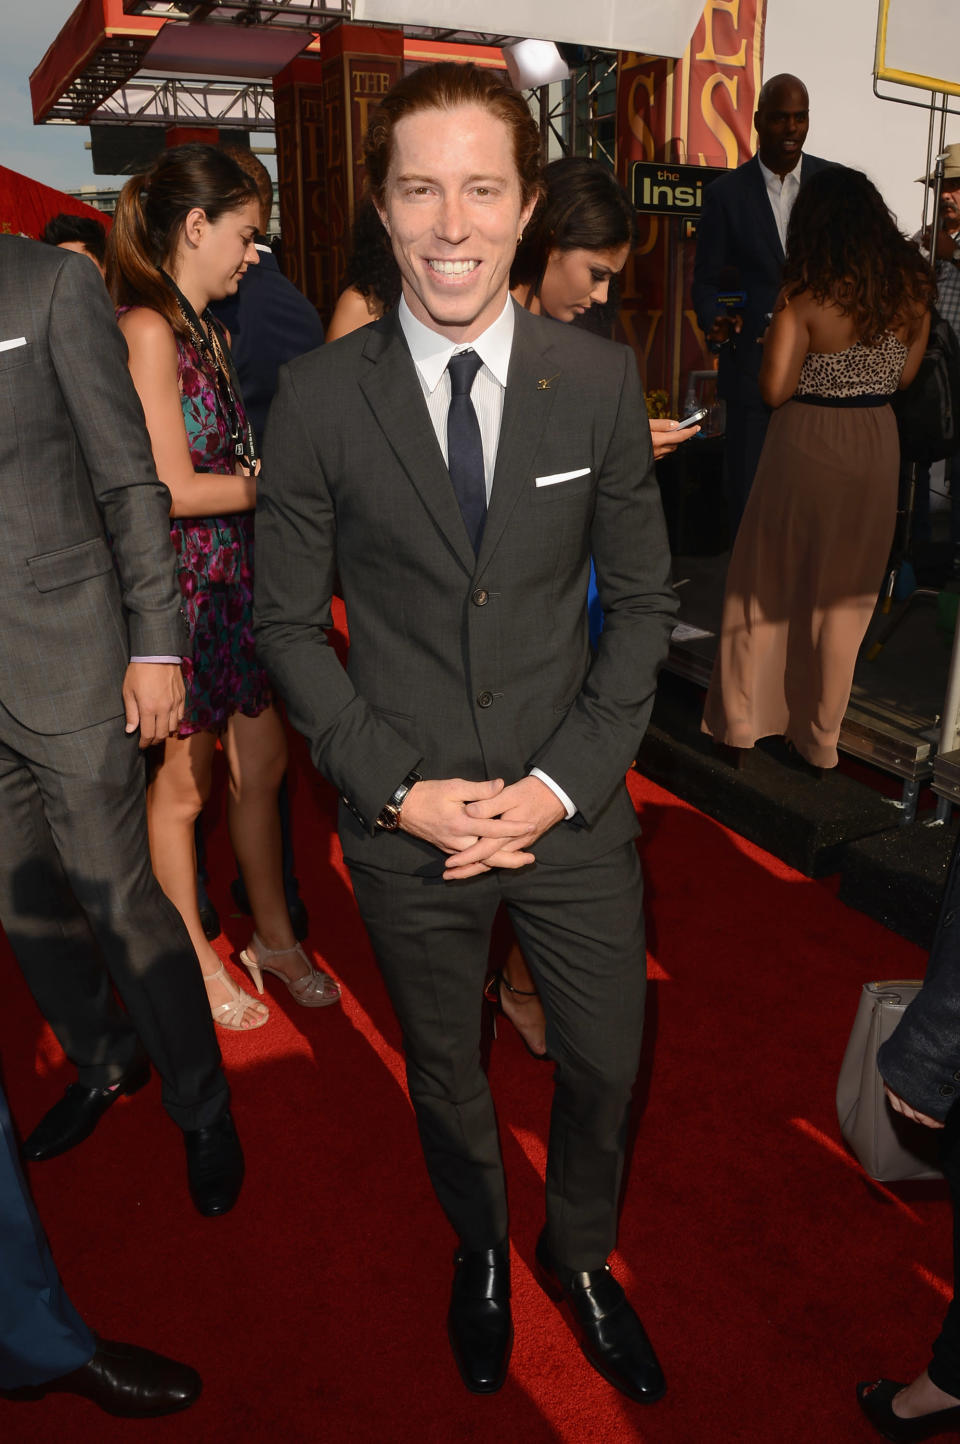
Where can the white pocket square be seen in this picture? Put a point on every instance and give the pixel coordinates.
(562, 476)
(11, 345)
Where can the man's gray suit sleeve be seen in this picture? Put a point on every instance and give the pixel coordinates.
(599, 736)
(294, 577)
(89, 356)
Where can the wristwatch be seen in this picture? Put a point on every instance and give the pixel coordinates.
(389, 818)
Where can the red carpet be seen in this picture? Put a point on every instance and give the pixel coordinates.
(770, 1272)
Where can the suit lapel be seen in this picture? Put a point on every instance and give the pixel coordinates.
(527, 405)
(393, 389)
(764, 210)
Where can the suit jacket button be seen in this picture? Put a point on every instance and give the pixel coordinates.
(485, 699)
(946, 1090)
(956, 1077)
(480, 597)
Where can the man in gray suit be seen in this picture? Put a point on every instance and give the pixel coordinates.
(466, 462)
(90, 648)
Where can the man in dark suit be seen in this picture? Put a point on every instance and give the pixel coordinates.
(45, 1346)
(457, 464)
(90, 648)
(741, 245)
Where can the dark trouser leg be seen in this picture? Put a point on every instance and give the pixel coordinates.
(745, 433)
(51, 937)
(91, 791)
(582, 933)
(945, 1365)
(41, 1334)
(432, 942)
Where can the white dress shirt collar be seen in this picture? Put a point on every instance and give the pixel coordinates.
(431, 351)
(770, 177)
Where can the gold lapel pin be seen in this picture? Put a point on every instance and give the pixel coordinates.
(544, 383)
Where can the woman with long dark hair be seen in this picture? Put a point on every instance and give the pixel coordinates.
(577, 242)
(850, 328)
(182, 237)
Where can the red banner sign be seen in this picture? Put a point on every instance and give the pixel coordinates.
(697, 110)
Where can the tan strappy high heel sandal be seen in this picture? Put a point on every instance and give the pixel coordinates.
(230, 1014)
(315, 989)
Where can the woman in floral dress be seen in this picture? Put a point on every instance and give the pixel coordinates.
(183, 236)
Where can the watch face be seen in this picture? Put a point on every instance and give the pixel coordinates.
(389, 818)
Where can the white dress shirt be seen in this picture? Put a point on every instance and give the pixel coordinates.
(431, 354)
(783, 194)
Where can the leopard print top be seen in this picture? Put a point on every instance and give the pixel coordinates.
(860, 370)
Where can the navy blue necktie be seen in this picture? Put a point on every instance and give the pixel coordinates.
(464, 445)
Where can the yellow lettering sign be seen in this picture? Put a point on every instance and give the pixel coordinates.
(715, 121)
(709, 51)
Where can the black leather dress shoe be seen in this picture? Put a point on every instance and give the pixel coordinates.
(611, 1336)
(209, 919)
(77, 1114)
(214, 1166)
(124, 1380)
(876, 1401)
(479, 1322)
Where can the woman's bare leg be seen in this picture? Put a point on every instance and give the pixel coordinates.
(177, 792)
(256, 752)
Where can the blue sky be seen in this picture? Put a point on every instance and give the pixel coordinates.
(53, 154)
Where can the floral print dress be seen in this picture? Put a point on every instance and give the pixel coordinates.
(215, 568)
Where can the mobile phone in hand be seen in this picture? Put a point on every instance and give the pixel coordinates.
(692, 419)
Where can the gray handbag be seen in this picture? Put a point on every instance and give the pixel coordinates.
(888, 1146)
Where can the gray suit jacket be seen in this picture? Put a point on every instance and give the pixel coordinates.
(463, 665)
(75, 464)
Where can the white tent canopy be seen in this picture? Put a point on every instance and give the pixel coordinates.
(654, 27)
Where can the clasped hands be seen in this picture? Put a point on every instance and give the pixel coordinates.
(480, 825)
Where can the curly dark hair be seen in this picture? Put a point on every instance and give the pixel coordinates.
(582, 208)
(371, 266)
(844, 248)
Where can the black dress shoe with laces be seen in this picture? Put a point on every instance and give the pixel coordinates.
(479, 1323)
(124, 1380)
(214, 1166)
(77, 1114)
(608, 1331)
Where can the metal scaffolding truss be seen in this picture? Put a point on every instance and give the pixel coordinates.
(108, 71)
(160, 100)
(310, 15)
(112, 90)
(579, 115)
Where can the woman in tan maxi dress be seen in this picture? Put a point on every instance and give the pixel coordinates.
(850, 328)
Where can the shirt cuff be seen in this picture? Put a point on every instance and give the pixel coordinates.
(569, 807)
(176, 661)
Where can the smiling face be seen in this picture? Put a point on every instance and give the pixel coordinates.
(213, 255)
(453, 209)
(578, 279)
(782, 123)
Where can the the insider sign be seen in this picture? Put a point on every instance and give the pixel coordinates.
(671, 190)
